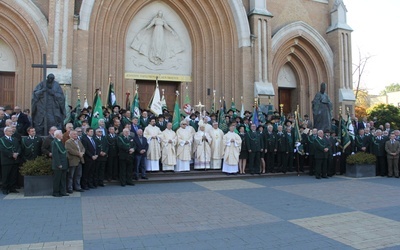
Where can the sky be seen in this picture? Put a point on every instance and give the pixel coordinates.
(376, 33)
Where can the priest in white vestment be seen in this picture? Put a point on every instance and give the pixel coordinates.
(168, 145)
(202, 141)
(233, 144)
(207, 126)
(184, 147)
(152, 133)
(217, 146)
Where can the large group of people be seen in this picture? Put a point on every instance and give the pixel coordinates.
(124, 148)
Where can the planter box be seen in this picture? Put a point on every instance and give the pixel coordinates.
(358, 171)
(38, 185)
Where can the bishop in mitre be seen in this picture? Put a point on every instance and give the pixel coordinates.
(233, 144)
(168, 145)
(202, 141)
(217, 146)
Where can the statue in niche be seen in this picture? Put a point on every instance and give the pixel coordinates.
(322, 109)
(158, 41)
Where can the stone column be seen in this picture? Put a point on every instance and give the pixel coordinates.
(339, 37)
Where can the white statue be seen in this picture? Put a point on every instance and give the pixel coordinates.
(158, 41)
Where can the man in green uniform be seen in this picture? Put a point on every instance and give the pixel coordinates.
(126, 147)
(10, 151)
(255, 144)
(321, 156)
(31, 145)
(59, 164)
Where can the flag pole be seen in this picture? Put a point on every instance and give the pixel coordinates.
(298, 132)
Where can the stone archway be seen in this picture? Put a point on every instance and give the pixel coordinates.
(24, 30)
(300, 47)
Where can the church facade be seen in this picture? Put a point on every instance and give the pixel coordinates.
(276, 50)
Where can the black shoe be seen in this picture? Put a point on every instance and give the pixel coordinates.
(317, 177)
(70, 191)
(65, 194)
(5, 192)
(101, 185)
(80, 190)
(145, 178)
(135, 178)
(122, 185)
(13, 191)
(130, 184)
(57, 195)
(85, 188)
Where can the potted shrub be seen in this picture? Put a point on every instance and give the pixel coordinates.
(38, 179)
(360, 165)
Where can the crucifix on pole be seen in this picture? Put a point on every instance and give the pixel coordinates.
(44, 66)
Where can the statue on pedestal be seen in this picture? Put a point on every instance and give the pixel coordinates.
(48, 106)
(322, 110)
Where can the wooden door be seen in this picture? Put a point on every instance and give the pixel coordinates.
(285, 99)
(7, 89)
(146, 91)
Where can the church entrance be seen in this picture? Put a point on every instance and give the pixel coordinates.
(285, 99)
(7, 89)
(146, 91)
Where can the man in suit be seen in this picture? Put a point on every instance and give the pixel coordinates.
(126, 149)
(144, 119)
(282, 149)
(378, 149)
(112, 159)
(10, 159)
(46, 145)
(90, 159)
(161, 123)
(270, 148)
(135, 125)
(321, 156)
(59, 164)
(100, 165)
(126, 118)
(255, 144)
(392, 148)
(22, 121)
(31, 145)
(140, 154)
(75, 153)
(363, 123)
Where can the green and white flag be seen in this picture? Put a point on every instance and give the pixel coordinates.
(97, 111)
(176, 119)
(135, 109)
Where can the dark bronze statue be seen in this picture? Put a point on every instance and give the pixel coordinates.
(48, 106)
(322, 110)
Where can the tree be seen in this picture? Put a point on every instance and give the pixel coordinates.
(394, 87)
(385, 113)
(360, 112)
(362, 99)
(359, 70)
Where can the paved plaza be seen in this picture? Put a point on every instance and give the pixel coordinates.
(267, 212)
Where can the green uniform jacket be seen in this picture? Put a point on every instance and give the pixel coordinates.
(124, 144)
(101, 145)
(7, 148)
(59, 155)
(319, 146)
(254, 141)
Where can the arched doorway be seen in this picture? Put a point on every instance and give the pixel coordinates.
(287, 83)
(7, 75)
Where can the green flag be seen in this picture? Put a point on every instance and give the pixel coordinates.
(135, 108)
(176, 119)
(77, 108)
(343, 136)
(111, 98)
(97, 111)
(221, 119)
(67, 109)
